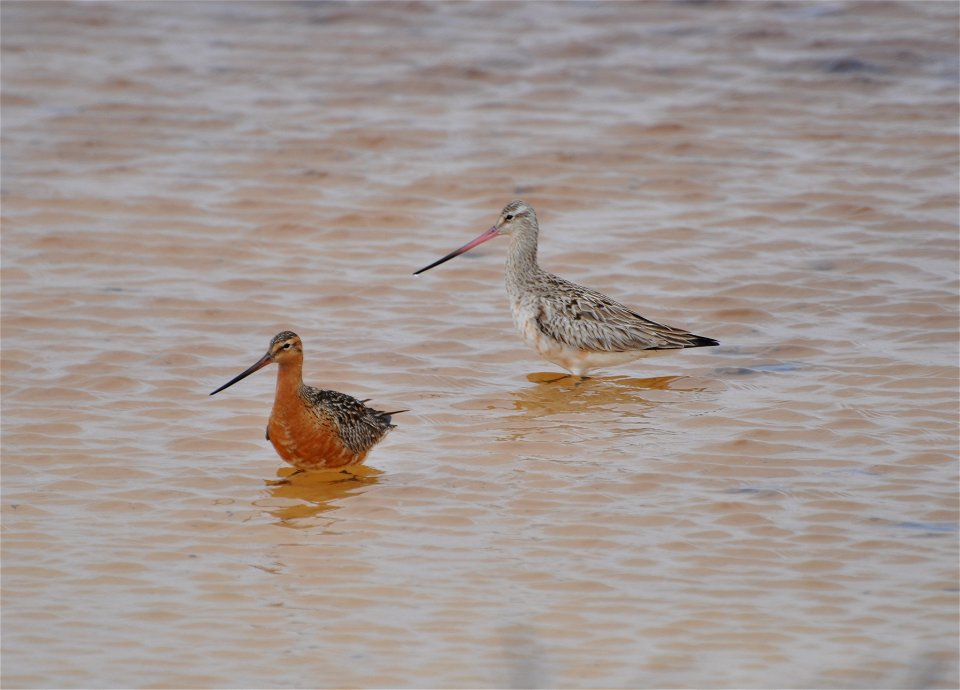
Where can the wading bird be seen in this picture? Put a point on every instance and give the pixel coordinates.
(311, 428)
(575, 327)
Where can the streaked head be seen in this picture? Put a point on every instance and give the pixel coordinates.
(285, 346)
(515, 217)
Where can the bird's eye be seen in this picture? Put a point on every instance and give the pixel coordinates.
(286, 346)
(509, 216)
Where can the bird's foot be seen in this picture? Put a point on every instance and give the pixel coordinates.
(284, 480)
(348, 476)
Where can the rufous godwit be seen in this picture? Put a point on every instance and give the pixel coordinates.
(311, 428)
(575, 327)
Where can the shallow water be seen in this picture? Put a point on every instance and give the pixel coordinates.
(181, 182)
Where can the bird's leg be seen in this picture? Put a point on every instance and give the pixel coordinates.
(350, 476)
(285, 480)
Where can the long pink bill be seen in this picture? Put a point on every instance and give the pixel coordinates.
(261, 363)
(488, 235)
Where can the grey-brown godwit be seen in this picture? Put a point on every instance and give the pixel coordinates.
(311, 428)
(575, 327)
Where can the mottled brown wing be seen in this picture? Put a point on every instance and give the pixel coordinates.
(360, 427)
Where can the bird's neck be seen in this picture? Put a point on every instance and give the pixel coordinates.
(289, 380)
(522, 255)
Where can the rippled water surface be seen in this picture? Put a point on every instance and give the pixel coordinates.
(181, 181)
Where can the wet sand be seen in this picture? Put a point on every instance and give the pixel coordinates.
(181, 181)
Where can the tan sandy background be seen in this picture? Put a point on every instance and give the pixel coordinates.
(183, 180)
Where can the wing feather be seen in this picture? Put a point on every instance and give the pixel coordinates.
(359, 426)
(588, 320)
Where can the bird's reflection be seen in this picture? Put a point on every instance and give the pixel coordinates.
(571, 408)
(558, 393)
(317, 492)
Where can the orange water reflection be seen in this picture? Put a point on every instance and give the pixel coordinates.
(559, 394)
(315, 493)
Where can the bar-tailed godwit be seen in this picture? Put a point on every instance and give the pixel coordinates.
(575, 327)
(311, 428)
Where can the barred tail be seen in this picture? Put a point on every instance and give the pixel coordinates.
(700, 341)
(388, 416)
